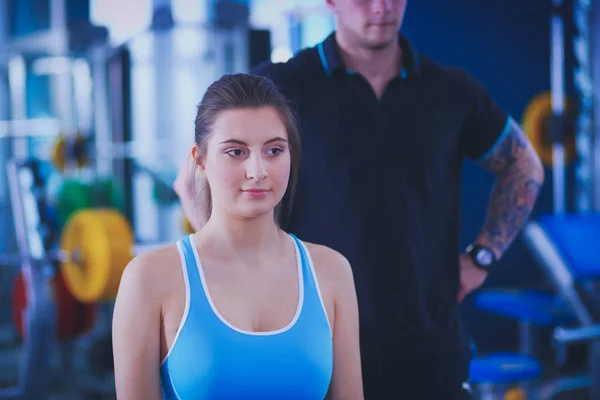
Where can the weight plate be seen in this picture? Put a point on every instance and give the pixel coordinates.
(103, 241)
(536, 124)
(73, 196)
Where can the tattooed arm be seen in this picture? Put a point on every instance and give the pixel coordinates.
(519, 177)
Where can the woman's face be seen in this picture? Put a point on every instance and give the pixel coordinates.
(247, 162)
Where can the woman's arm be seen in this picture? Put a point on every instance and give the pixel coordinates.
(136, 333)
(346, 382)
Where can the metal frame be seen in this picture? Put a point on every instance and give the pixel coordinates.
(4, 112)
(582, 80)
(101, 104)
(586, 17)
(3, 59)
(574, 335)
(557, 86)
(595, 61)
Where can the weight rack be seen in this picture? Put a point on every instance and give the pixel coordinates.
(40, 313)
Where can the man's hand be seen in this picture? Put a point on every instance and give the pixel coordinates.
(188, 185)
(471, 276)
(184, 181)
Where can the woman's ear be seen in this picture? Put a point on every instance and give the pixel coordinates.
(198, 158)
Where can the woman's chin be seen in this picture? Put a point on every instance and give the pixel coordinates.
(256, 211)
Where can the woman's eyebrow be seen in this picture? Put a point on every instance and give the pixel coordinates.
(241, 142)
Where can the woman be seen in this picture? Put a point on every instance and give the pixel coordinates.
(240, 309)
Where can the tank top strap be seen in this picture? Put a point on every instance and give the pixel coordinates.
(195, 295)
(306, 264)
(188, 260)
(313, 300)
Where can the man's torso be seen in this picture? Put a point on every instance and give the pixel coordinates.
(380, 183)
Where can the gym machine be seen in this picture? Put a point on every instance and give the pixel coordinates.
(29, 55)
(39, 318)
(564, 244)
(95, 247)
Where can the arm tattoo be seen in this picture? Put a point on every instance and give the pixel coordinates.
(519, 177)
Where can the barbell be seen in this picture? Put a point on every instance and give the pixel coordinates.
(95, 247)
(78, 149)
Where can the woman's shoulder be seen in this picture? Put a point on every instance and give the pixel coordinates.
(323, 254)
(330, 265)
(152, 273)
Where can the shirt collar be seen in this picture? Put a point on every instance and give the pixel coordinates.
(332, 61)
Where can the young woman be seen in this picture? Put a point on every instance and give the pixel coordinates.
(240, 309)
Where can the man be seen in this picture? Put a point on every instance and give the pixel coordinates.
(384, 132)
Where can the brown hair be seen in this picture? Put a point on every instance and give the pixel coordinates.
(235, 91)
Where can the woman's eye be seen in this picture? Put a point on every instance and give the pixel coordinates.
(275, 151)
(235, 152)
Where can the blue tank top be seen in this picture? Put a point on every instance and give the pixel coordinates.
(211, 359)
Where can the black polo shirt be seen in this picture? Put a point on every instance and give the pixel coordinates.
(380, 183)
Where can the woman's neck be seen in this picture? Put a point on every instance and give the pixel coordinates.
(241, 238)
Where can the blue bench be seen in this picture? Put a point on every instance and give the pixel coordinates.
(530, 306)
(576, 239)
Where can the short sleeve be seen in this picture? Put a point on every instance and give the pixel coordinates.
(282, 75)
(486, 122)
(268, 70)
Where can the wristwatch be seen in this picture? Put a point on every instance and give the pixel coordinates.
(483, 257)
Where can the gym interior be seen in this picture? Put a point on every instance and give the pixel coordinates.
(97, 104)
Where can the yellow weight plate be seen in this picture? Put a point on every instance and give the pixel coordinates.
(59, 153)
(101, 244)
(536, 124)
(121, 242)
(68, 150)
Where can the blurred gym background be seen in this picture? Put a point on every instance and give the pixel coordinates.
(97, 104)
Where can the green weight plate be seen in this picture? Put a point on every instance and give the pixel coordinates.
(73, 196)
(108, 193)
